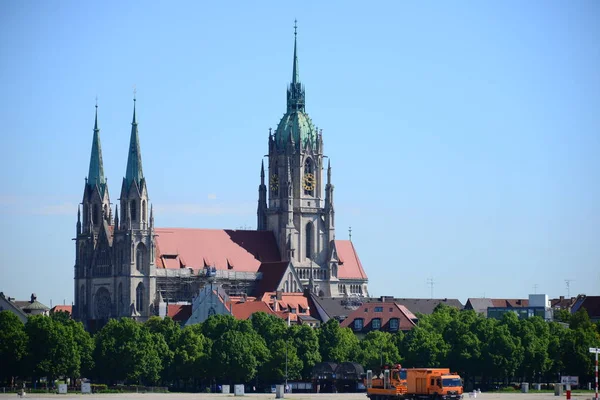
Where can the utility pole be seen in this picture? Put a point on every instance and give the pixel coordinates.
(596, 351)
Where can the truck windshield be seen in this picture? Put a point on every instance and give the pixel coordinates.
(451, 382)
(402, 374)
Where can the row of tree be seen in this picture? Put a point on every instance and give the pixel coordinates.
(264, 349)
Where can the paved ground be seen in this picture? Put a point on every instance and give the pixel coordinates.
(340, 396)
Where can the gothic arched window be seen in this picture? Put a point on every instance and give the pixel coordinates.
(140, 258)
(81, 297)
(309, 240)
(95, 215)
(120, 298)
(139, 298)
(143, 210)
(133, 210)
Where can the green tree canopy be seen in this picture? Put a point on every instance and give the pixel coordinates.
(52, 350)
(13, 345)
(125, 351)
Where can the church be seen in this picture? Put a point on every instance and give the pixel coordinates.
(125, 266)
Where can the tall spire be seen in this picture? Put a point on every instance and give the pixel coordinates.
(134, 171)
(96, 171)
(295, 93)
(295, 72)
(262, 172)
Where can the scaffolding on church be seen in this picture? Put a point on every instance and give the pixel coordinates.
(182, 285)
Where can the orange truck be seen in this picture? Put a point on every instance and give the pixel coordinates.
(414, 383)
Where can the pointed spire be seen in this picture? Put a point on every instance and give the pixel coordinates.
(262, 172)
(134, 171)
(295, 71)
(96, 170)
(117, 217)
(295, 93)
(328, 172)
(151, 216)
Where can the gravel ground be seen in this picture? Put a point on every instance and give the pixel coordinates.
(339, 396)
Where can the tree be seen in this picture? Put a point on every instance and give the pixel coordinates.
(236, 356)
(422, 347)
(504, 352)
(464, 351)
(268, 326)
(13, 346)
(377, 349)
(83, 340)
(306, 341)
(52, 350)
(217, 325)
(191, 354)
(274, 369)
(165, 333)
(126, 351)
(337, 344)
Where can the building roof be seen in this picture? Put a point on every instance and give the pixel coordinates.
(591, 305)
(62, 308)
(481, 305)
(287, 302)
(179, 312)
(337, 308)
(388, 311)
(349, 265)
(244, 310)
(563, 303)
(426, 306)
(134, 172)
(272, 274)
(237, 250)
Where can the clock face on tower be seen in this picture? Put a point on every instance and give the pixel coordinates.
(274, 182)
(308, 182)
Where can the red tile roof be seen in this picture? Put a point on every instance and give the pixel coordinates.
(349, 266)
(514, 303)
(64, 308)
(246, 309)
(224, 249)
(288, 300)
(272, 274)
(389, 310)
(179, 312)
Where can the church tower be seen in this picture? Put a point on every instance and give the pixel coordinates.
(134, 239)
(93, 255)
(296, 212)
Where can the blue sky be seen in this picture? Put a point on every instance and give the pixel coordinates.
(463, 136)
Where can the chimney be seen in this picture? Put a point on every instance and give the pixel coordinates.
(382, 299)
(278, 294)
(561, 298)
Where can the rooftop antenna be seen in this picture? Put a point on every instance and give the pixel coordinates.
(568, 284)
(350, 233)
(431, 282)
(535, 286)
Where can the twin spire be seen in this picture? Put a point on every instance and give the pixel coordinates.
(134, 171)
(96, 172)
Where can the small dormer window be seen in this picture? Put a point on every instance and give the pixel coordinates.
(376, 323)
(394, 324)
(358, 324)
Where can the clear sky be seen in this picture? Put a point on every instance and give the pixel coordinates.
(464, 137)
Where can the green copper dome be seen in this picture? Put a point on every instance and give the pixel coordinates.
(299, 126)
